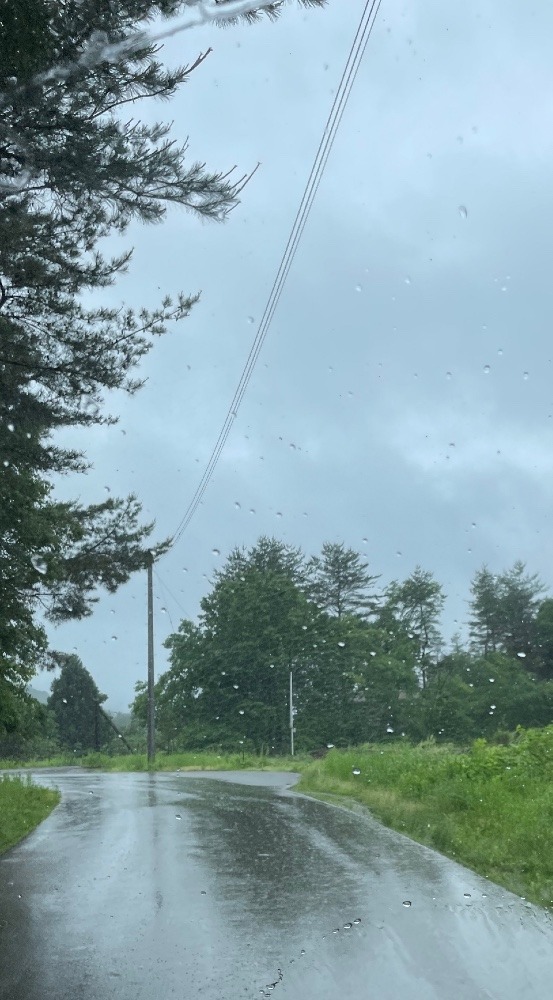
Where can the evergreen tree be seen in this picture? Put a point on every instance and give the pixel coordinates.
(416, 605)
(504, 610)
(339, 581)
(74, 701)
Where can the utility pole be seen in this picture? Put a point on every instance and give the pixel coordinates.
(151, 705)
(291, 715)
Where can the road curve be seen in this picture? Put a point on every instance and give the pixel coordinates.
(230, 886)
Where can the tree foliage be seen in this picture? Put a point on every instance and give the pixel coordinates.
(77, 165)
(339, 581)
(73, 702)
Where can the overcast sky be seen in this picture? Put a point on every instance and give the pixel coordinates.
(403, 399)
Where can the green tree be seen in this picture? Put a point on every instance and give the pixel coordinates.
(544, 639)
(416, 606)
(339, 581)
(74, 701)
(504, 609)
(469, 696)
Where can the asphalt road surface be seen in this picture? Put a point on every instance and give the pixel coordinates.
(231, 886)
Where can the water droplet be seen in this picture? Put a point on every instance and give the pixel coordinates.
(163, 611)
(358, 288)
(487, 369)
(64, 701)
(178, 816)
(448, 375)
(389, 729)
(11, 427)
(500, 352)
(467, 895)
(216, 552)
(237, 505)
(39, 564)
(336, 930)
(203, 892)
(5, 463)
(347, 927)
(398, 554)
(235, 686)
(240, 711)
(355, 770)
(251, 319)
(302, 952)
(407, 280)
(357, 921)
(525, 376)
(252, 511)
(330, 746)
(279, 513)
(493, 706)
(463, 211)
(341, 644)
(522, 656)
(114, 638)
(492, 680)
(407, 902)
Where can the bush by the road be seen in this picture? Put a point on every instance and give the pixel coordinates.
(490, 808)
(22, 807)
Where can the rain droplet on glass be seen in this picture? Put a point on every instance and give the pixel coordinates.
(355, 770)
(407, 902)
(463, 211)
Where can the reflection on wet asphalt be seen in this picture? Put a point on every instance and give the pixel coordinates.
(221, 887)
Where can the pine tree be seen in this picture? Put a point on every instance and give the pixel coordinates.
(416, 605)
(339, 581)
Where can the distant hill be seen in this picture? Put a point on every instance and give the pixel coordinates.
(41, 696)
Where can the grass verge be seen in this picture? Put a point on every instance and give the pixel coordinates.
(491, 809)
(191, 761)
(22, 807)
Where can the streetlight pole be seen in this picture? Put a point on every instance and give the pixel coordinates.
(291, 715)
(151, 724)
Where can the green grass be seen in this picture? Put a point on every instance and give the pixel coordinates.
(490, 809)
(22, 807)
(60, 760)
(200, 761)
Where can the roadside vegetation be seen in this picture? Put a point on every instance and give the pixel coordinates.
(200, 761)
(22, 807)
(490, 808)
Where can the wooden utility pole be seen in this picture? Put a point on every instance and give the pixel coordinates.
(151, 703)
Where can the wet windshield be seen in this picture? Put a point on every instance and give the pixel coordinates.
(276, 606)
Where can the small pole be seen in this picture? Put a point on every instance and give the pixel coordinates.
(291, 715)
(151, 704)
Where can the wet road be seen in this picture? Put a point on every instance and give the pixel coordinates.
(204, 887)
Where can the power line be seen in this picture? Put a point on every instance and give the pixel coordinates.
(349, 75)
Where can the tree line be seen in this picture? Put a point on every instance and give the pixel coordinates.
(368, 665)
